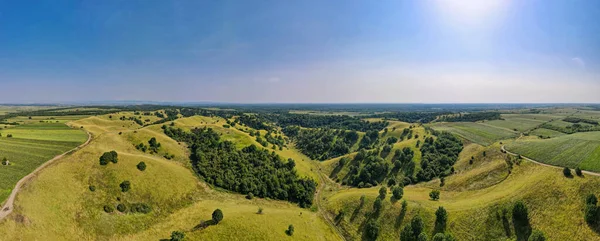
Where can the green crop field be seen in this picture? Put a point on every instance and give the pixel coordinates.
(546, 133)
(480, 133)
(574, 150)
(30, 146)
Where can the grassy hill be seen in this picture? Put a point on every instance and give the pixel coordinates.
(574, 150)
(59, 205)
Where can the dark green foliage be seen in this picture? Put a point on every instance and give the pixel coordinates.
(339, 217)
(580, 120)
(322, 144)
(125, 186)
(411, 117)
(520, 216)
(254, 122)
(140, 208)
(153, 145)
(417, 225)
(217, 216)
(591, 214)
(377, 205)
(177, 236)
(141, 147)
(591, 199)
(121, 207)
(391, 182)
(407, 233)
(578, 172)
(472, 117)
(108, 209)
(250, 169)
(290, 230)
(434, 195)
(537, 235)
(107, 157)
(371, 230)
(141, 166)
(441, 219)
(398, 192)
(92, 188)
(422, 237)
(373, 172)
(382, 192)
(439, 156)
(250, 196)
(567, 172)
(369, 140)
(326, 121)
(391, 140)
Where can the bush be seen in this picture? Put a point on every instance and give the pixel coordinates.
(290, 230)
(567, 172)
(435, 195)
(406, 234)
(537, 235)
(591, 199)
(110, 156)
(578, 172)
(260, 210)
(108, 209)
(217, 216)
(398, 192)
(423, 237)
(121, 207)
(417, 225)
(250, 196)
(141, 166)
(177, 236)
(125, 186)
(140, 208)
(591, 214)
(92, 188)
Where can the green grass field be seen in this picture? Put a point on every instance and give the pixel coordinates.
(574, 150)
(31, 146)
(480, 133)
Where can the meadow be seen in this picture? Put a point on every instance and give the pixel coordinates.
(481, 133)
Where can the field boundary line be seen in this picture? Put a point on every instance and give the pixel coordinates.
(8, 206)
(545, 164)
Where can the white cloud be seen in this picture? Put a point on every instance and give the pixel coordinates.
(273, 79)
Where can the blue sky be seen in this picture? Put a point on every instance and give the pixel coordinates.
(428, 51)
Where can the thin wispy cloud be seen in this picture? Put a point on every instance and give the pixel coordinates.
(578, 62)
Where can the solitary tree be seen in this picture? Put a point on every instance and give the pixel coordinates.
(567, 172)
(398, 192)
(441, 218)
(125, 186)
(217, 216)
(578, 172)
(417, 225)
(435, 195)
(371, 230)
(290, 230)
(141, 166)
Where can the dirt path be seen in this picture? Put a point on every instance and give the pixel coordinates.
(548, 165)
(9, 204)
(321, 209)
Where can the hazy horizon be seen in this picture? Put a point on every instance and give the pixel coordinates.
(414, 52)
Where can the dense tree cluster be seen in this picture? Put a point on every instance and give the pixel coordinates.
(574, 128)
(107, 157)
(254, 122)
(370, 140)
(471, 117)
(580, 120)
(368, 169)
(411, 117)
(322, 144)
(439, 155)
(326, 121)
(250, 169)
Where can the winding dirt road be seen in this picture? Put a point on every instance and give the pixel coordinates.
(9, 204)
(547, 165)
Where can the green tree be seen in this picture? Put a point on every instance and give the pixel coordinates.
(435, 195)
(382, 192)
(108, 209)
(537, 235)
(578, 172)
(141, 166)
(407, 234)
(371, 230)
(417, 225)
(520, 216)
(423, 237)
(217, 216)
(290, 230)
(591, 214)
(177, 236)
(441, 219)
(591, 199)
(567, 172)
(125, 186)
(398, 192)
(121, 207)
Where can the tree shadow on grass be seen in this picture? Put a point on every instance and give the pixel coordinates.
(400, 219)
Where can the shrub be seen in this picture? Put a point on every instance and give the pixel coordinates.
(406, 234)
(177, 236)
(391, 182)
(110, 156)
(121, 207)
(141, 166)
(217, 216)
(434, 195)
(260, 210)
(398, 192)
(537, 235)
(290, 230)
(92, 188)
(9, 136)
(423, 237)
(578, 172)
(417, 225)
(140, 208)
(442, 181)
(441, 218)
(591, 214)
(108, 209)
(567, 172)
(250, 196)
(591, 199)
(125, 186)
